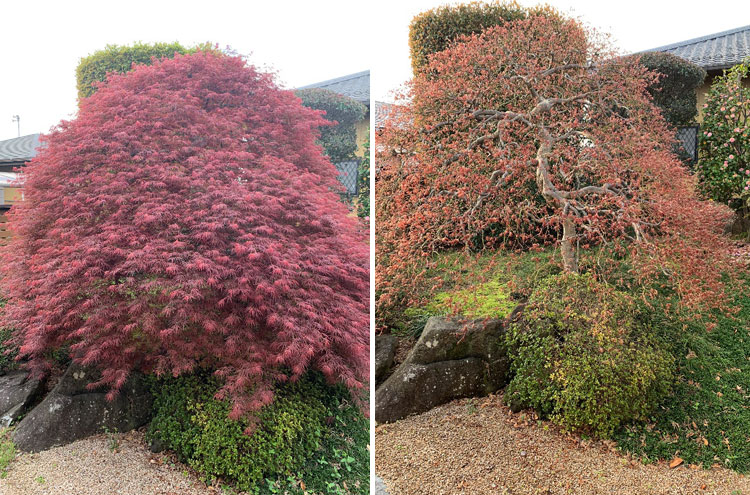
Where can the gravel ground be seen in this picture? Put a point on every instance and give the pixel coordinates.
(477, 446)
(89, 467)
(378, 487)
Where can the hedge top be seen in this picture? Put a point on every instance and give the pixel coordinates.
(434, 30)
(120, 59)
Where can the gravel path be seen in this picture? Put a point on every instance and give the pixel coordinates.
(479, 447)
(89, 467)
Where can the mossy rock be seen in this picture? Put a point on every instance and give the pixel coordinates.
(491, 299)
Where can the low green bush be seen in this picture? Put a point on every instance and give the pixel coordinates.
(584, 355)
(285, 445)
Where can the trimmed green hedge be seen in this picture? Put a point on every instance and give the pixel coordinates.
(311, 433)
(120, 59)
(338, 141)
(436, 29)
(675, 93)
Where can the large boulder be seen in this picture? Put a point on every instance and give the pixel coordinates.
(71, 411)
(17, 393)
(385, 351)
(452, 359)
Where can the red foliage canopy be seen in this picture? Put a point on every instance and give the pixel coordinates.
(536, 132)
(186, 218)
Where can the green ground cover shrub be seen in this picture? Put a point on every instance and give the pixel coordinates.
(706, 420)
(311, 436)
(583, 355)
(7, 451)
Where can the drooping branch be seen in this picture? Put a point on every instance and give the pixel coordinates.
(563, 200)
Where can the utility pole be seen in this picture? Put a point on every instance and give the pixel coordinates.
(17, 118)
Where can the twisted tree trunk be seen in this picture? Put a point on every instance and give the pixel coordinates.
(567, 247)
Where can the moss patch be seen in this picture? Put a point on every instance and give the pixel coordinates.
(487, 286)
(489, 300)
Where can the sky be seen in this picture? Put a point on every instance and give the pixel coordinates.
(41, 43)
(635, 25)
(305, 42)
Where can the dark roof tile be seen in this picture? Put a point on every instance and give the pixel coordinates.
(356, 86)
(714, 51)
(19, 149)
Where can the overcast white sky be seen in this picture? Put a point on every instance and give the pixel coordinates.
(635, 25)
(42, 41)
(303, 41)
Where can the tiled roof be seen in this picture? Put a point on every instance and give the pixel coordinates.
(385, 111)
(382, 110)
(714, 51)
(19, 149)
(356, 86)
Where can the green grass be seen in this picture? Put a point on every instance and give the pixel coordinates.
(707, 418)
(7, 452)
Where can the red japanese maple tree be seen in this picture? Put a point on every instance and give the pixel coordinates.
(536, 132)
(187, 218)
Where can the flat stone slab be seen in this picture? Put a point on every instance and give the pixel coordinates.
(379, 486)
